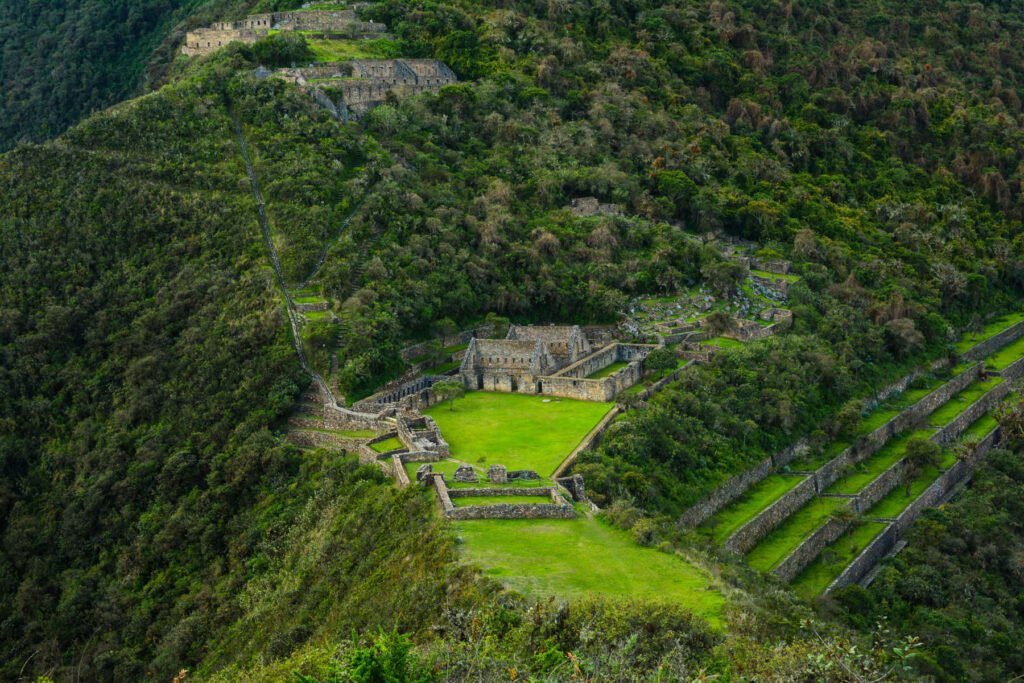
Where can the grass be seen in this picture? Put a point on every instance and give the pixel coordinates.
(443, 368)
(516, 430)
(962, 401)
(317, 315)
(343, 50)
(722, 343)
(991, 330)
(608, 371)
(788, 277)
(757, 498)
(774, 547)
(876, 418)
(867, 471)
(353, 434)
(897, 500)
(464, 501)
(310, 300)
(1002, 358)
(817, 576)
(581, 557)
(455, 349)
(980, 428)
(387, 445)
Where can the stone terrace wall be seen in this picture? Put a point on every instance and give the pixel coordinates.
(812, 546)
(994, 343)
(398, 470)
(739, 484)
(513, 511)
(954, 429)
(1013, 371)
(934, 494)
(751, 533)
(881, 486)
(592, 439)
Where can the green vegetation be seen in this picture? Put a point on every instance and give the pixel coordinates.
(516, 430)
(1004, 357)
(962, 401)
(386, 445)
(327, 50)
(868, 470)
(788, 277)
(608, 371)
(756, 499)
(463, 501)
(980, 428)
(777, 545)
(584, 556)
(897, 500)
(990, 330)
(817, 576)
(722, 343)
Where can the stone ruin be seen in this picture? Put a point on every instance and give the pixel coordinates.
(353, 88)
(465, 474)
(592, 206)
(331, 23)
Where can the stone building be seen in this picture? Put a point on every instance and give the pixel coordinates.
(204, 41)
(552, 361)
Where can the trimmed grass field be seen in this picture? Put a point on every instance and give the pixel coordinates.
(774, 547)
(465, 501)
(516, 430)
(757, 498)
(867, 471)
(342, 50)
(582, 557)
(962, 401)
(991, 330)
(1001, 359)
(387, 445)
(608, 371)
(897, 500)
(813, 580)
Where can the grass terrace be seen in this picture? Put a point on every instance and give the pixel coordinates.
(980, 428)
(788, 277)
(317, 315)
(518, 431)
(608, 371)
(777, 545)
(813, 580)
(962, 401)
(867, 471)
(1004, 357)
(897, 500)
(581, 557)
(443, 368)
(726, 521)
(344, 50)
(351, 434)
(992, 329)
(466, 501)
(386, 445)
(310, 300)
(722, 343)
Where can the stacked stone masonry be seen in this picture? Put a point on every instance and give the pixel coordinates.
(204, 41)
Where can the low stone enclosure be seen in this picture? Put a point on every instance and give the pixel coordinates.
(815, 483)
(342, 23)
(550, 503)
(356, 86)
(551, 361)
(740, 329)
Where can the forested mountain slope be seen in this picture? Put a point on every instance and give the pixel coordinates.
(152, 515)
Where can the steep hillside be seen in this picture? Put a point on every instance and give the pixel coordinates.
(154, 517)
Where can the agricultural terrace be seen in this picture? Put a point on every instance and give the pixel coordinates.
(813, 580)
(519, 431)
(582, 557)
(990, 330)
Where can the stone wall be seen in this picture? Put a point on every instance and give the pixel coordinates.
(661, 383)
(812, 546)
(881, 486)
(556, 508)
(592, 439)
(748, 535)
(398, 470)
(1013, 371)
(952, 431)
(994, 343)
(315, 439)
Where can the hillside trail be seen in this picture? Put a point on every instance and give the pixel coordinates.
(330, 402)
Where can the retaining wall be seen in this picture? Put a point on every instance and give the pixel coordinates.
(748, 535)
(1012, 371)
(593, 438)
(812, 546)
(398, 470)
(994, 343)
(954, 429)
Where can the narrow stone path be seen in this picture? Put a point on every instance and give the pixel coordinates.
(293, 316)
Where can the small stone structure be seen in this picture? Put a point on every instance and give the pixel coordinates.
(592, 206)
(550, 503)
(496, 474)
(552, 361)
(424, 471)
(359, 85)
(465, 474)
(342, 23)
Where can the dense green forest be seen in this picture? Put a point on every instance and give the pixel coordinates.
(154, 518)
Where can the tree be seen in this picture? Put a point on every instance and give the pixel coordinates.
(920, 453)
(660, 360)
(449, 390)
(718, 323)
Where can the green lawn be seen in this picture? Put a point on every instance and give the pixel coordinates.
(455, 349)
(867, 471)
(876, 418)
(387, 445)
(464, 501)
(343, 50)
(608, 371)
(813, 580)
(582, 557)
(788, 277)
(443, 368)
(991, 329)
(1002, 358)
(310, 300)
(516, 430)
(774, 547)
(722, 343)
(757, 498)
(962, 401)
(980, 428)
